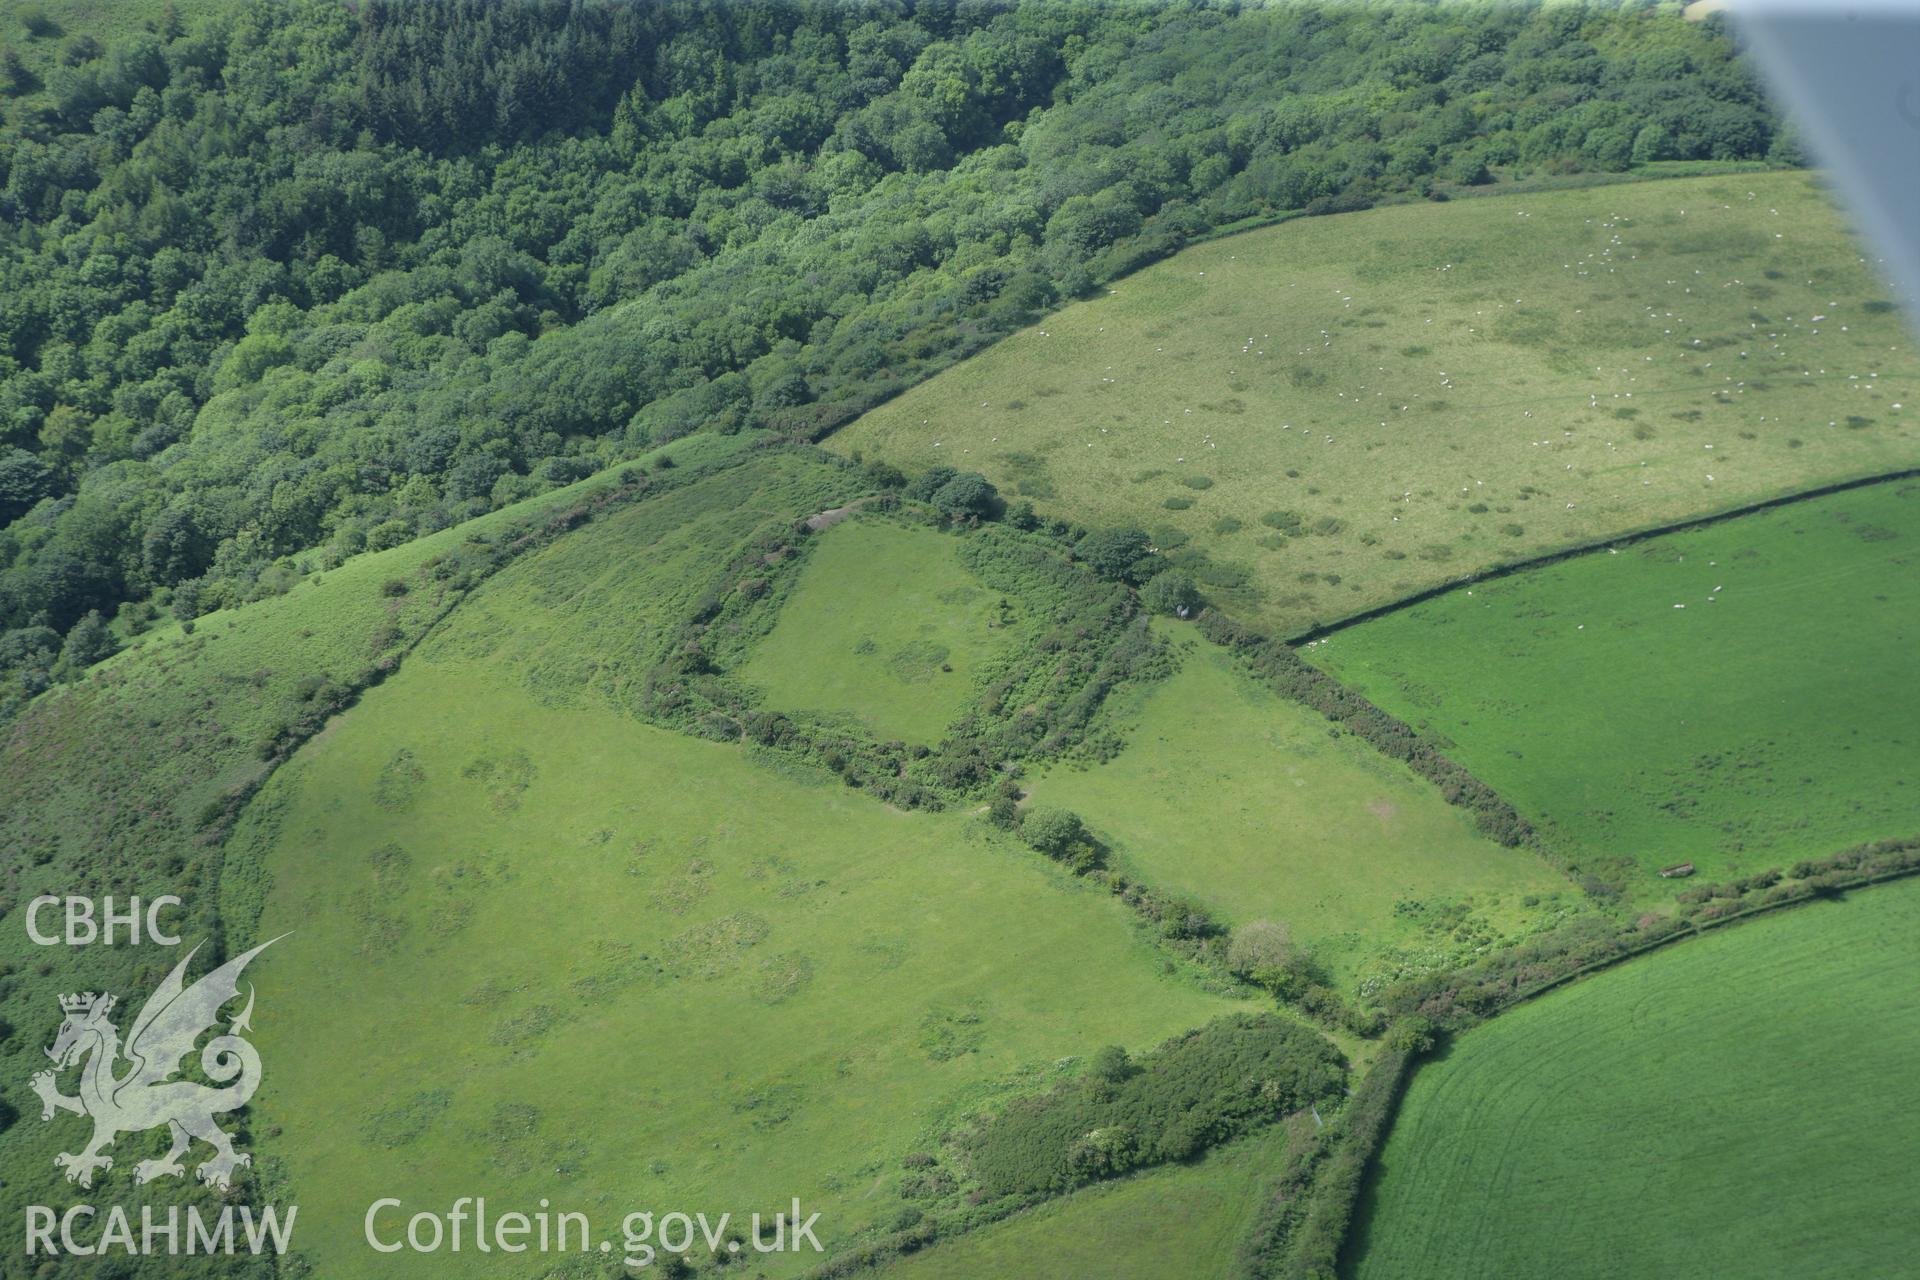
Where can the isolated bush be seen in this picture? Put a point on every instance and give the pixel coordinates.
(87, 643)
(884, 475)
(1053, 831)
(1004, 811)
(1111, 1064)
(967, 494)
(1170, 592)
(1188, 920)
(1289, 522)
(388, 533)
(930, 482)
(1260, 945)
(1121, 553)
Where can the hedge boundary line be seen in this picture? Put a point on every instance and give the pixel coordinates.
(1464, 998)
(1304, 1231)
(1303, 1226)
(1298, 680)
(1630, 538)
(536, 531)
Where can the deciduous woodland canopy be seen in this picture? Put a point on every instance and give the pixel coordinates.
(308, 278)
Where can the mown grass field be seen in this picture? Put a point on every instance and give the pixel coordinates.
(1181, 1220)
(1742, 1104)
(885, 626)
(1344, 411)
(599, 962)
(1246, 802)
(1737, 696)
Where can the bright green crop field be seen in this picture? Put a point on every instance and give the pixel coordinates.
(886, 626)
(1344, 411)
(1230, 794)
(1743, 1104)
(1737, 696)
(1181, 1220)
(622, 968)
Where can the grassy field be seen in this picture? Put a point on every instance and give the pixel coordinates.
(1737, 696)
(119, 782)
(1232, 795)
(622, 968)
(609, 595)
(885, 626)
(1343, 411)
(1744, 1104)
(1182, 1220)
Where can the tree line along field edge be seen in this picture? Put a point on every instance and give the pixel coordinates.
(432, 352)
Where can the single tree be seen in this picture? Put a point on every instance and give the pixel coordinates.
(1171, 592)
(1120, 553)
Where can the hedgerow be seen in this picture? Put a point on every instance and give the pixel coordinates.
(1303, 1223)
(1456, 1000)
(1293, 677)
(1192, 1092)
(1039, 701)
(415, 261)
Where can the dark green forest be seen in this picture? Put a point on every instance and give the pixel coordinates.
(311, 278)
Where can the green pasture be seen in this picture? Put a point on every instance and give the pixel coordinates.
(1181, 1220)
(1742, 1104)
(1252, 805)
(1736, 696)
(118, 783)
(886, 626)
(1343, 411)
(114, 784)
(590, 614)
(148, 737)
(602, 963)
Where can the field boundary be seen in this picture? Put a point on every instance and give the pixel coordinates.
(1701, 928)
(983, 342)
(535, 531)
(1630, 538)
(1545, 184)
(1299, 1257)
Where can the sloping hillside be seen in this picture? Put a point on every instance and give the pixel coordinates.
(1340, 412)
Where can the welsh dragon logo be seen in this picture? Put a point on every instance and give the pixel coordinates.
(146, 1095)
